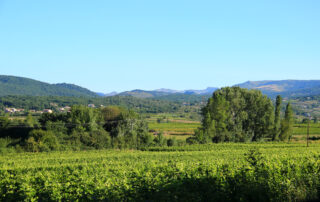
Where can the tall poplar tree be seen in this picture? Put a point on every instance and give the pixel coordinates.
(287, 124)
(277, 120)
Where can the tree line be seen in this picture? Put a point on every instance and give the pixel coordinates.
(82, 128)
(232, 114)
(129, 102)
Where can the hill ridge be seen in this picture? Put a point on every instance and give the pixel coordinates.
(14, 85)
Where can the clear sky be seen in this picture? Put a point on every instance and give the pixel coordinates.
(123, 45)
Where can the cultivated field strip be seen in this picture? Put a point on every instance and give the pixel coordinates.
(223, 172)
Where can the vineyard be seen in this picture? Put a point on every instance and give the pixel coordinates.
(212, 172)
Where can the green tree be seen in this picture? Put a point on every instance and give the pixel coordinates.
(160, 140)
(83, 118)
(236, 114)
(40, 140)
(277, 120)
(209, 127)
(30, 121)
(218, 123)
(4, 122)
(111, 113)
(287, 124)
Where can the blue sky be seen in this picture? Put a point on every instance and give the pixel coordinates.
(125, 45)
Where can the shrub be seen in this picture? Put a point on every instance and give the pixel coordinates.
(40, 140)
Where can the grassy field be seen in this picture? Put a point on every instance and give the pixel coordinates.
(222, 172)
(174, 126)
(301, 129)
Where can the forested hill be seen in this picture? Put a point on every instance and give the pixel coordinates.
(285, 88)
(12, 85)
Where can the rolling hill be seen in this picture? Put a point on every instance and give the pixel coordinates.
(285, 88)
(12, 85)
(271, 88)
(168, 92)
(143, 93)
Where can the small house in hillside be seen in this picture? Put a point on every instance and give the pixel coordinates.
(10, 110)
(47, 111)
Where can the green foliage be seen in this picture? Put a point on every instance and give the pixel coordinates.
(160, 140)
(126, 128)
(4, 123)
(5, 146)
(83, 118)
(287, 124)
(277, 119)
(172, 142)
(88, 128)
(40, 140)
(44, 102)
(30, 121)
(219, 172)
(111, 113)
(200, 136)
(97, 139)
(235, 114)
(83, 128)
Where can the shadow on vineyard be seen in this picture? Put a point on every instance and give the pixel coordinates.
(255, 181)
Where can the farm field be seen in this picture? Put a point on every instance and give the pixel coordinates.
(182, 128)
(301, 129)
(173, 125)
(195, 172)
(177, 129)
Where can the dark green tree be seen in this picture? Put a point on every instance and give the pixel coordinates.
(218, 122)
(237, 115)
(287, 124)
(40, 140)
(83, 118)
(30, 121)
(4, 122)
(160, 140)
(208, 131)
(277, 119)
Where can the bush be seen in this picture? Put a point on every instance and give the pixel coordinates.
(160, 140)
(40, 140)
(192, 140)
(172, 142)
(101, 139)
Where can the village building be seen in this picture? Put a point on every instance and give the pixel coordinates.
(47, 111)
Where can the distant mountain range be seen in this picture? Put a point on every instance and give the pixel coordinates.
(12, 85)
(285, 88)
(165, 92)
